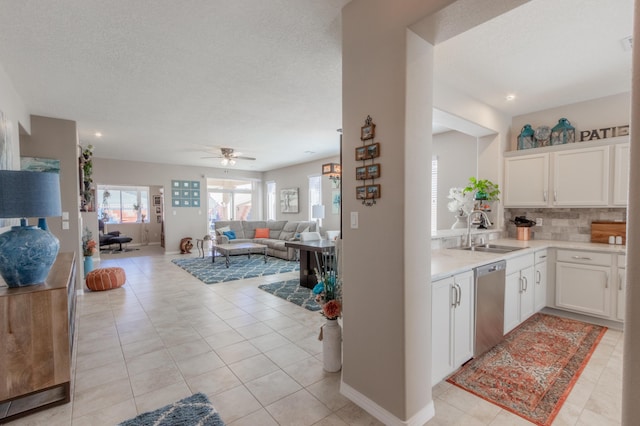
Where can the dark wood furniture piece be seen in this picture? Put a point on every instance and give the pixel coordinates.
(312, 254)
(36, 334)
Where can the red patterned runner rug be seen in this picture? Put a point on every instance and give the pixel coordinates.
(533, 370)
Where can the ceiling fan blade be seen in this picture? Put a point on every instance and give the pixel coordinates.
(242, 157)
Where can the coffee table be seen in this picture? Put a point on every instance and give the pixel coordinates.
(227, 250)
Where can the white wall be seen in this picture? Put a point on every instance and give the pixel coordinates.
(597, 113)
(457, 162)
(15, 113)
(298, 177)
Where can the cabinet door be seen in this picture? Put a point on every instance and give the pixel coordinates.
(442, 299)
(526, 181)
(581, 177)
(527, 293)
(512, 301)
(464, 320)
(540, 294)
(622, 281)
(583, 288)
(621, 174)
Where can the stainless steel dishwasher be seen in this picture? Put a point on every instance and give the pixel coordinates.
(490, 281)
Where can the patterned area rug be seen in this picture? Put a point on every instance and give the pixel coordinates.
(241, 267)
(292, 292)
(533, 370)
(194, 410)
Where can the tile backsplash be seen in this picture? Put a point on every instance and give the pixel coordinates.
(563, 224)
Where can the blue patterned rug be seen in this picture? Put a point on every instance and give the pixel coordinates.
(292, 292)
(241, 267)
(194, 410)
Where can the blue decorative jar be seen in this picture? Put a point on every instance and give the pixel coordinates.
(563, 133)
(526, 138)
(26, 255)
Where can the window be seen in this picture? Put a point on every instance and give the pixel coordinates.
(315, 195)
(123, 204)
(271, 200)
(434, 195)
(229, 199)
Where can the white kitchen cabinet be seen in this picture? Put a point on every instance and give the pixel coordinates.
(540, 292)
(620, 174)
(581, 177)
(583, 281)
(526, 182)
(622, 282)
(519, 296)
(571, 175)
(452, 324)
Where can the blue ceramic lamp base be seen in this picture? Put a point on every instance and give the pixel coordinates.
(26, 255)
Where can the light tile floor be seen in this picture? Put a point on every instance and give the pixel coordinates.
(166, 335)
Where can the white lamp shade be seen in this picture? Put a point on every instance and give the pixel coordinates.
(317, 211)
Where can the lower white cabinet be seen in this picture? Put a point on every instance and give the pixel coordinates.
(540, 270)
(452, 324)
(519, 296)
(583, 281)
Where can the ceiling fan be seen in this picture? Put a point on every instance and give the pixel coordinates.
(229, 156)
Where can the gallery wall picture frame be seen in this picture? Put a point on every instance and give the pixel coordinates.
(361, 173)
(368, 131)
(361, 192)
(157, 200)
(158, 210)
(158, 219)
(184, 193)
(367, 152)
(373, 191)
(373, 171)
(289, 200)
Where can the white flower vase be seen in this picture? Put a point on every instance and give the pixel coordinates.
(460, 222)
(331, 346)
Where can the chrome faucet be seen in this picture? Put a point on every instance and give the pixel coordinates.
(469, 221)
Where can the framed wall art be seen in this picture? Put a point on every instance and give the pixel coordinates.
(184, 193)
(289, 200)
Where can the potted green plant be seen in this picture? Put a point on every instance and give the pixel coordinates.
(482, 189)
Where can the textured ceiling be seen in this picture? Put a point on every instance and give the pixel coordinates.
(167, 81)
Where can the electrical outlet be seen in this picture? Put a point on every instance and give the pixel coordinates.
(539, 221)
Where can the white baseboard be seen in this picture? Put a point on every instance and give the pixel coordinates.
(419, 419)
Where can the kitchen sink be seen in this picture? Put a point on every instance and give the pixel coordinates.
(491, 248)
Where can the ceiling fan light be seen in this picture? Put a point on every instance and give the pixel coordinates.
(232, 162)
(224, 161)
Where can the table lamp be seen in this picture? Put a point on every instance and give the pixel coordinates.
(28, 252)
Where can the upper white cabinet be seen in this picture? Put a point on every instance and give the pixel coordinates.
(526, 181)
(581, 177)
(573, 175)
(620, 174)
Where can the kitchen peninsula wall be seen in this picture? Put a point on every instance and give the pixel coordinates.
(562, 224)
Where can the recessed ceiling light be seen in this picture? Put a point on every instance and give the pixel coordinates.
(510, 97)
(98, 134)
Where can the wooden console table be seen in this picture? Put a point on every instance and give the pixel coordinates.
(311, 258)
(36, 330)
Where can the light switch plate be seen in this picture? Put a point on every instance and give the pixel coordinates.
(65, 215)
(65, 225)
(354, 220)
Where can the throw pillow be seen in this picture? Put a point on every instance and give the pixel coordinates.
(262, 233)
(222, 230)
(231, 235)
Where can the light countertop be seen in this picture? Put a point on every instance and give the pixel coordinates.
(448, 262)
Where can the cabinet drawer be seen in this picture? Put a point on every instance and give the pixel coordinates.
(622, 261)
(584, 257)
(518, 263)
(541, 256)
